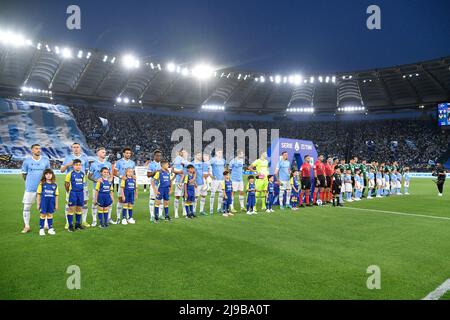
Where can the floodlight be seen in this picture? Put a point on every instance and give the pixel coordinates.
(126, 100)
(277, 79)
(130, 62)
(171, 67)
(202, 71)
(66, 53)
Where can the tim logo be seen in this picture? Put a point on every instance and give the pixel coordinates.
(297, 147)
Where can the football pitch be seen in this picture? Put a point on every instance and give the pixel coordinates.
(312, 253)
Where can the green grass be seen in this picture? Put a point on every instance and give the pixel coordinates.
(313, 253)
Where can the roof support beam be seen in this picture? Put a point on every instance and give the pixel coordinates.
(58, 70)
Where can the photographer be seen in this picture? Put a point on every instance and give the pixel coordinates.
(440, 173)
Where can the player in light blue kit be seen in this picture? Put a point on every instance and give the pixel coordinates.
(154, 167)
(201, 172)
(67, 167)
(95, 175)
(120, 169)
(32, 169)
(236, 166)
(371, 179)
(406, 179)
(217, 168)
(178, 164)
(283, 175)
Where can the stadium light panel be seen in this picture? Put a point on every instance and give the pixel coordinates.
(88, 55)
(80, 54)
(333, 79)
(277, 79)
(320, 79)
(39, 45)
(327, 79)
(213, 107)
(285, 79)
(130, 62)
(171, 67)
(119, 99)
(66, 53)
(185, 72)
(113, 60)
(297, 79)
(57, 49)
(105, 58)
(202, 71)
(311, 80)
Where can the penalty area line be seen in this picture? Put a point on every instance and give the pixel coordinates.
(397, 213)
(439, 292)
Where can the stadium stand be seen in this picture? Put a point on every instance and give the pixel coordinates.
(419, 142)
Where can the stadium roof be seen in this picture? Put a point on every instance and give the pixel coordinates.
(45, 70)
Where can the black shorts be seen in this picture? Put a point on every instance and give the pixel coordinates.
(306, 183)
(322, 181)
(328, 181)
(336, 189)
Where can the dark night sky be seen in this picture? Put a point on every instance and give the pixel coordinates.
(271, 36)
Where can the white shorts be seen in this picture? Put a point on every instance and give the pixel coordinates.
(238, 186)
(387, 185)
(201, 190)
(348, 187)
(179, 189)
(285, 185)
(29, 197)
(379, 182)
(406, 184)
(371, 184)
(399, 184)
(151, 193)
(216, 185)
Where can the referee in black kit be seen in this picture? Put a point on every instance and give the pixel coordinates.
(441, 174)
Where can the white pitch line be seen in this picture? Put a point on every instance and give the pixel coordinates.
(439, 292)
(398, 213)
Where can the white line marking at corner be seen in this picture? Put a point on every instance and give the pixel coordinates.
(439, 292)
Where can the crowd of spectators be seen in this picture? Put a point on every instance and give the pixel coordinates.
(413, 143)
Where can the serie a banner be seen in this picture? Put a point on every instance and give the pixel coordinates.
(23, 123)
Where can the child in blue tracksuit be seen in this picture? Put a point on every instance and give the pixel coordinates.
(227, 187)
(251, 195)
(270, 193)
